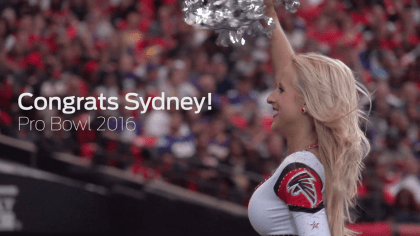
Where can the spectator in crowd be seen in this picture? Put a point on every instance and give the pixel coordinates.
(406, 208)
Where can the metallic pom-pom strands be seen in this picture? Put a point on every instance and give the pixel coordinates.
(232, 18)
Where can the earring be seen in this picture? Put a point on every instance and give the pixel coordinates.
(303, 110)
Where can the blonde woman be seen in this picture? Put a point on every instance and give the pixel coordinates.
(316, 106)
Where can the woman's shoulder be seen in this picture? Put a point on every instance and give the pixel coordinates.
(303, 160)
(305, 157)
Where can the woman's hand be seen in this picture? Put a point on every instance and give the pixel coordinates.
(269, 9)
(269, 3)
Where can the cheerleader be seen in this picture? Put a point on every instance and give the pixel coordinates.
(315, 108)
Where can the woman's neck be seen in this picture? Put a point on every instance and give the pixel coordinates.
(301, 142)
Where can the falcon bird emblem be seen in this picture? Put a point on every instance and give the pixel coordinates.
(303, 183)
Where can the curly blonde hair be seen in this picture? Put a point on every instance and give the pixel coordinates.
(331, 93)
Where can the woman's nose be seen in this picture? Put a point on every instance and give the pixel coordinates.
(270, 99)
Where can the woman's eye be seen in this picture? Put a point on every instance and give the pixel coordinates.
(281, 90)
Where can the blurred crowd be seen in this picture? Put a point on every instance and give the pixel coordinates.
(112, 47)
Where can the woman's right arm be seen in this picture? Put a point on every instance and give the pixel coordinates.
(281, 50)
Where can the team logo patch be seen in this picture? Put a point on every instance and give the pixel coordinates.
(303, 183)
(300, 187)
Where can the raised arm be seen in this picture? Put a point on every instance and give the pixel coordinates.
(281, 50)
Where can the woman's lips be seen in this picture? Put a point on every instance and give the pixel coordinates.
(277, 110)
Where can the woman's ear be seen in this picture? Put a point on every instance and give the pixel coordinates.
(300, 100)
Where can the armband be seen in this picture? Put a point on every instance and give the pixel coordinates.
(300, 187)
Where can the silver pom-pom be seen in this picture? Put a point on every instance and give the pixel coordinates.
(291, 5)
(231, 19)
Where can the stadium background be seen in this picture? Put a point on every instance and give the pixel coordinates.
(180, 172)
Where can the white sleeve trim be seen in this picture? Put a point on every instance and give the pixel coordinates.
(312, 224)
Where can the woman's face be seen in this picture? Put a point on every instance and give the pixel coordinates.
(287, 103)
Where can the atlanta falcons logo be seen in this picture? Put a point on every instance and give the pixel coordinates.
(303, 183)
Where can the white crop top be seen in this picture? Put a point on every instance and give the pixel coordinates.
(291, 200)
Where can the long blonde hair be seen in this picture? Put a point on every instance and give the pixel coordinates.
(330, 91)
